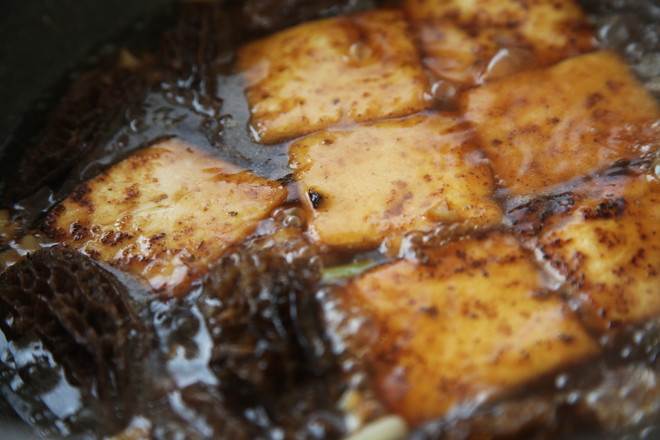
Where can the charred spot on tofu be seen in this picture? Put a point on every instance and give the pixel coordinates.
(469, 42)
(543, 127)
(163, 213)
(606, 244)
(473, 322)
(351, 68)
(379, 179)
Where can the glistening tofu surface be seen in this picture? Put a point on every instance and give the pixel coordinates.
(493, 12)
(543, 127)
(604, 239)
(345, 69)
(362, 184)
(469, 41)
(163, 213)
(468, 325)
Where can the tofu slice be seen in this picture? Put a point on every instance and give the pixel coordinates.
(470, 41)
(345, 69)
(604, 239)
(543, 127)
(163, 213)
(474, 322)
(380, 179)
(494, 12)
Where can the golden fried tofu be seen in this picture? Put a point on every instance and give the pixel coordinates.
(345, 69)
(604, 238)
(492, 12)
(378, 179)
(542, 127)
(469, 41)
(163, 213)
(472, 323)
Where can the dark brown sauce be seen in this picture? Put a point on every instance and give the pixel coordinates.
(197, 384)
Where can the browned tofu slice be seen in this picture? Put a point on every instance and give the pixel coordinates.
(163, 213)
(345, 69)
(473, 322)
(470, 41)
(493, 12)
(542, 127)
(604, 238)
(384, 178)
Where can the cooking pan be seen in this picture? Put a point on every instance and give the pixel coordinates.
(42, 43)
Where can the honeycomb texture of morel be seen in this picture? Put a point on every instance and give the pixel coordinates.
(270, 349)
(211, 405)
(85, 112)
(82, 315)
(199, 45)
